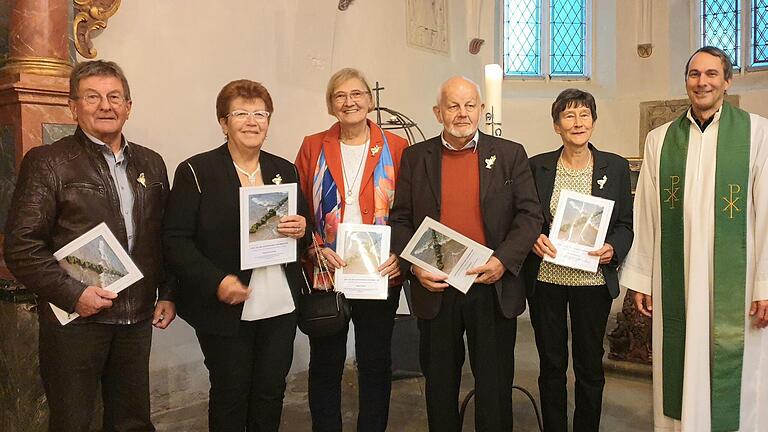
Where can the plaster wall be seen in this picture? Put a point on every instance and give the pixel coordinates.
(179, 53)
(620, 79)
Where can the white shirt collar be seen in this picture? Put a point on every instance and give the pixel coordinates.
(471, 144)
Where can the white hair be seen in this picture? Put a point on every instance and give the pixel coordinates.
(442, 87)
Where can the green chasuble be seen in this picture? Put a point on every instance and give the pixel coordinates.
(730, 264)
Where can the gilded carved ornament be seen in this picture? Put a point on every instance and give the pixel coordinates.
(91, 15)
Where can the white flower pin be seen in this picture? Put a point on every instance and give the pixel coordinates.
(375, 150)
(142, 180)
(277, 180)
(490, 161)
(601, 182)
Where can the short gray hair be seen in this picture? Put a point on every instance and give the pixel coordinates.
(340, 78)
(96, 68)
(442, 87)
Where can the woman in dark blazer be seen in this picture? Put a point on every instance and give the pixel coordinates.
(554, 291)
(245, 320)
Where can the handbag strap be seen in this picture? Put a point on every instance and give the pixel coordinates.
(306, 283)
(322, 263)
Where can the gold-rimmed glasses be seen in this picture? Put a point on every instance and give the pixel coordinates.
(339, 98)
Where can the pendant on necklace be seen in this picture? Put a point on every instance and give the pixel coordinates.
(349, 199)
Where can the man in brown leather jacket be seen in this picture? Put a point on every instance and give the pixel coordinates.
(63, 191)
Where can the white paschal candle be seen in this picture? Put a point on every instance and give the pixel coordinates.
(492, 115)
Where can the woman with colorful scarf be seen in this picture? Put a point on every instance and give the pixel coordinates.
(348, 174)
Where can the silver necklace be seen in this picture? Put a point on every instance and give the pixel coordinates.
(349, 198)
(251, 176)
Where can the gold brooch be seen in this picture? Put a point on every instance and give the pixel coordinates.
(141, 179)
(277, 180)
(375, 150)
(490, 161)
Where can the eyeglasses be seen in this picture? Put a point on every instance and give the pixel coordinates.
(356, 95)
(115, 99)
(242, 115)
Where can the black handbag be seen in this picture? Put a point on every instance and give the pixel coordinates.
(322, 312)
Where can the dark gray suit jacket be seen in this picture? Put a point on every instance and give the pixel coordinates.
(511, 212)
(617, 188)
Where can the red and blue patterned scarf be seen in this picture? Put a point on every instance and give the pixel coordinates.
(327, 199)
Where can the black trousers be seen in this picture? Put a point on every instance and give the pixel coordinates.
(247, 373)
(76, 358)
(374, 320)
(589, 307)
(491, 343)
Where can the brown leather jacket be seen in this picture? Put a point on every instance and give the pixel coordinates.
(64, 190)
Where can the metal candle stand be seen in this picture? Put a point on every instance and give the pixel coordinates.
(495, 127)
(471, 394)
(397, 120)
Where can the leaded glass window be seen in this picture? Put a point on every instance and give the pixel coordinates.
(720, 26)
(545, 38)
(568, 30)
(759, 29)
(522, 37)
(739, 27)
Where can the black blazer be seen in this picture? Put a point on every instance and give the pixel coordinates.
(508, 202)
(617, 188)
(201, 240)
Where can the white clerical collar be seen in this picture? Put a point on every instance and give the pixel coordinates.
(472, 144)
(123, 143)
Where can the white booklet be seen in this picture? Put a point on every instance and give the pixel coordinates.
(96, 258)
(441, 250)
(580, 225)
(261, 208)
(364, 248)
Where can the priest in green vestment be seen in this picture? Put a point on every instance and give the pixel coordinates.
(699, 264)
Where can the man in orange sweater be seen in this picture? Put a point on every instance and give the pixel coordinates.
(482, 187)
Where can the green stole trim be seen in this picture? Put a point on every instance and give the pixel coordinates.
(730, 265)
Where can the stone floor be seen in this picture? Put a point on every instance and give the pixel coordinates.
(627, 402)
